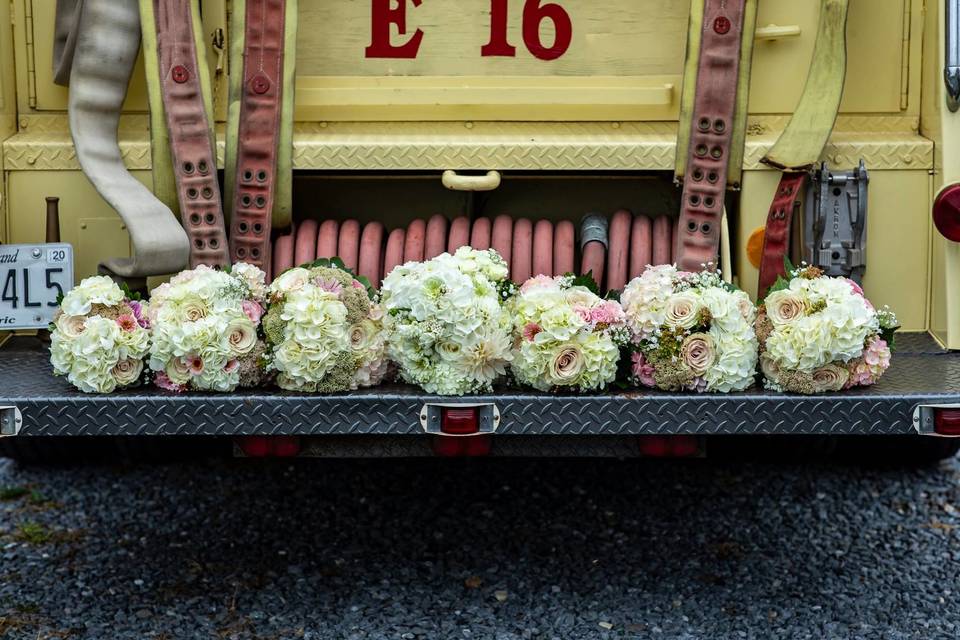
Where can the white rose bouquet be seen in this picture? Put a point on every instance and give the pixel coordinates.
(689, 331)
(325, 330)
(205, 329)
(819, 333)
(447, 327)
(566, 336)
(99, 337)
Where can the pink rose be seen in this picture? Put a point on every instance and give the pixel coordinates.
(642, 370)
(252, 310)
(856, 288)
(536, 281)
(531, 330)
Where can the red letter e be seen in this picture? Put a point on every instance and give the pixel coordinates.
(382, 15)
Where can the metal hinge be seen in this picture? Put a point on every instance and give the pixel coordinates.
(905, 56)
(31, 55)
(10, 421)
(835, 222)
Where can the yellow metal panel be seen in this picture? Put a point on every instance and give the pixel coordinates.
(898, 228)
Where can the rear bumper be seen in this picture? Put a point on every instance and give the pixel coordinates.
(922, 374)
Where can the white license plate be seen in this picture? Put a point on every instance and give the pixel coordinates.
(32, 277)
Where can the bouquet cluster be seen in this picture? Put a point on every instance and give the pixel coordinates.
(567, 337)
(205, 326)
(99, 337)
(324, 330)
(818, 333)
(447, 326)
(689, 331)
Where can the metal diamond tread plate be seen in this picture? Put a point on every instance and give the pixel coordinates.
(921, 373)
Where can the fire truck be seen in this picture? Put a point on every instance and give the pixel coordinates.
(138, 137)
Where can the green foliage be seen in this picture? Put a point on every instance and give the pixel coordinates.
(130, 295)
(12, 493)
(585, 280)
(32, 533)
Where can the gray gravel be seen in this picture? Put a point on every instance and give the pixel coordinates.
(498, 549)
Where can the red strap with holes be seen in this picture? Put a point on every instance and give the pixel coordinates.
(191, 142)
(260, 107)
(776, 235)
(705, 180)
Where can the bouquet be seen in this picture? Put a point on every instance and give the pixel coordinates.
(99, 337)
(689, 331)
(447, 327)
(819, 333)
(324, 329)
(566, 335)
(205, 329)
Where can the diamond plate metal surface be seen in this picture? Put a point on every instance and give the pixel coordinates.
(921, 373)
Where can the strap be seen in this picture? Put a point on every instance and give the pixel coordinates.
(258, 132)
(66, 27)
(711, 127)
(191, 142)
(107, 43)
(776, 237)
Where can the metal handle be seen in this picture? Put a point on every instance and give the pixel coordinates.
(775, 32)
(454, 181)
(951, 54)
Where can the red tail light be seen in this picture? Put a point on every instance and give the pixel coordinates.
(669, 446)
(270, 446)
(946, 422)
(946, 213)
(459, 422)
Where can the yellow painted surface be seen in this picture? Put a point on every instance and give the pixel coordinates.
(898, 232)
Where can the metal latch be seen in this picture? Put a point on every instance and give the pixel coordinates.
(10, 421)
(432, 417)
(835, 222)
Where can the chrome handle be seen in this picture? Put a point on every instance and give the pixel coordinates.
(951, 54)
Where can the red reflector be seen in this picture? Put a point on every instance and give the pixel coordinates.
(946, 213)
(459, 422)
(446, 447)
(275, 446)
(669, 446)
(946, 422)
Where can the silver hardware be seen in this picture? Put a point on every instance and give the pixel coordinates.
(923, 417)
(951, 57)
(488, 418)
(835, 222)
(10, 421)
(37, 253)
(593, 228)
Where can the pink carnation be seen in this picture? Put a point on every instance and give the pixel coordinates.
(164, 382)
(642, 370)
(252, 310)
(531, 330)
(609, 313)
(585, 312)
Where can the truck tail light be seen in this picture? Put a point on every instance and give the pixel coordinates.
(669, 446)
(459, 422)
(946, 422)
(270, 446)
(946, 212)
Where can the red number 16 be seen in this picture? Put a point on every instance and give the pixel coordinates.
(533, 15)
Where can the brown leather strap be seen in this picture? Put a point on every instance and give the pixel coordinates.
(712, 125)
(776, 235)
(258, 131)
(191, 143)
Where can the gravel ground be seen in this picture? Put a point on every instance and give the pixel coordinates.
(498, 549)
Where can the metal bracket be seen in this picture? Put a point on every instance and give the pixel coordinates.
(951, 54)
(923, 418)
(594, 228)
(488, 418)
(10, 421)
(835, 222)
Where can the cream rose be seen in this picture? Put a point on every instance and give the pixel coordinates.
(290, 280)
(682, 311)
(770, 368)
(70, 326)
(830, 377)
(194, 310)
(241, 336)
(127, 371)
(784, 307)
(698, 353)
(566, 365)
(178, 371)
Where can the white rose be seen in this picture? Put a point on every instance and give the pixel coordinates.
(241, 336)
(682, 312)
(785, 307)
(290, 280)
(127, 371)
(565, 365)
(70, 326)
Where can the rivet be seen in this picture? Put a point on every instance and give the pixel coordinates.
(722, 25)
(468, 125)
(907, 159)
(180, 74)
(260, 84)
(36, 253)
(615, 125)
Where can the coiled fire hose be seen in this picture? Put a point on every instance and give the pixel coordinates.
(96, 46)
(544, 247)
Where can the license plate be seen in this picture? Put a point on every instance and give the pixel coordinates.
(32, 277)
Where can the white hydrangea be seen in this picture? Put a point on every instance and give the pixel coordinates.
(567, 337)
(205, 328)
(446, 325)
(644, 300)
(99, 338)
